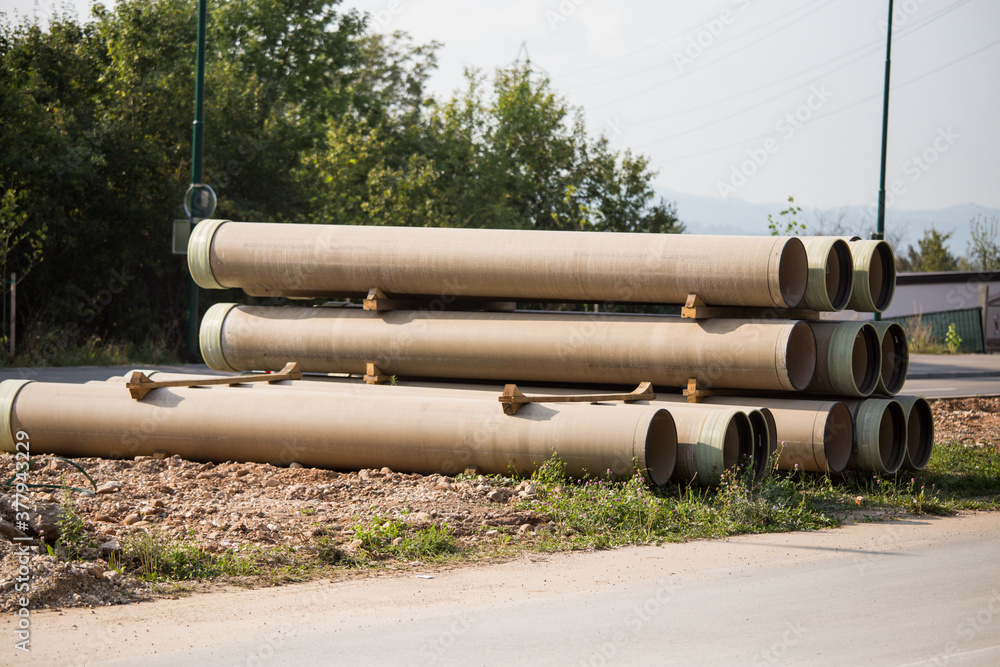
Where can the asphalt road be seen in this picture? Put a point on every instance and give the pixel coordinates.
(924, 591)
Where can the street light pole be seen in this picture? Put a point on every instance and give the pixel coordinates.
(197, 210)
(880, 223)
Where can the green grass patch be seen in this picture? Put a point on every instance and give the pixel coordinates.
(389, 538)
(152, 557)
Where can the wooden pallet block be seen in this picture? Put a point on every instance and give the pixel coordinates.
(696, 309)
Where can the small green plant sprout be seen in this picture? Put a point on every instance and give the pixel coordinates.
(787, 225)
(73, 540)
(952, 339)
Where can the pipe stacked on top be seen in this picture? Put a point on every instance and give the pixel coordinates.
(296, 260)
(777, 355)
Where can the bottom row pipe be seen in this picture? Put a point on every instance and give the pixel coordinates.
(407, 434)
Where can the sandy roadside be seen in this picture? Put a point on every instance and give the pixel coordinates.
(276, 615)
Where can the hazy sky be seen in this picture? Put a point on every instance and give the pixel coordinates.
(752, 99)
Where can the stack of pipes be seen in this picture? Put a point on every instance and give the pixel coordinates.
(765, 376)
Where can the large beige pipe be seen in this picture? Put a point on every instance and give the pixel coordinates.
(874, 276)
(296, 260)
(408, 434)
(816, 436)
(709, 438)
(831, 273)
(848, 358)
(895, 357)
(919, 432)
(879, 435)
(543, 347)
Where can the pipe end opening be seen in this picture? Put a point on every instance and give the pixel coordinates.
(838, 437)
(800, 356)
(920, 435)
(793, 272)
(882, 276)
(660, 452)
(866, 360)
(839, 275)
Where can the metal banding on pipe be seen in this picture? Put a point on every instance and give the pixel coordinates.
(895, 357)
(817, 436)
(8, 393)
(879, 435)
(211, 344)
(874, 276)
(303, 260)
(919, 432)
(199, 253)
(831, 273)
(411, 434)
(544, 347)
(848, 358)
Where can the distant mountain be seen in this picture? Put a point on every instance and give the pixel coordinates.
(710, 215)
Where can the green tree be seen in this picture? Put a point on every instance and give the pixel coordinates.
(787, 225)
(95, 127)
(508, 154)
(984, 253)
(933, 254)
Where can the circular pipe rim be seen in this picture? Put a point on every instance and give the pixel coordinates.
(874, 276)
(919, 431)
(880, 435)
(9, 390)
(210, 337)
(199, 253)
(800, 356)
(831, 274)
(892, 382)
(793, 272)
(760, 443)
(882, 298)
(854, 359)
(660, 448)
(838, 438)
(723, 435)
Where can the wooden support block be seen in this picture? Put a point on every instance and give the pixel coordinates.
(696, 309)
(693, 393)
(139, 383)
(512, 398)
(377, 300)
(374, 374)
